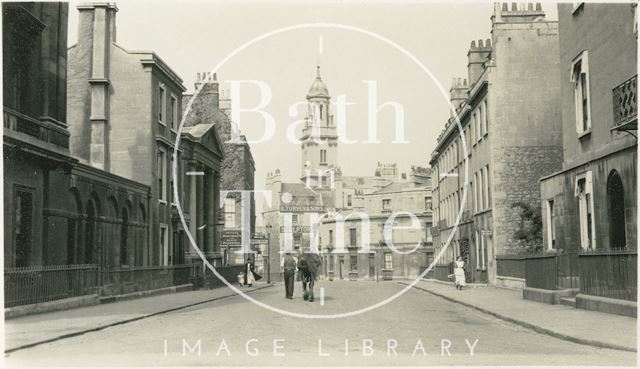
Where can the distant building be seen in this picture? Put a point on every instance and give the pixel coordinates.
(412, 249)
(124, 110)
(510, 120)
(296, 207)
(237, 172)
(589, 206)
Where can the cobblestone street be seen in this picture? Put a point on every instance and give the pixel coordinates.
(418, 328)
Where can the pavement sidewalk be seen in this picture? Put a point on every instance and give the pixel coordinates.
(36, 329)
(561, 321)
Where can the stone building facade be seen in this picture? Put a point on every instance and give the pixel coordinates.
(124, 109)
(511, 136)
(365, 252)
(237, 170)
(58, 210)
(589, 206)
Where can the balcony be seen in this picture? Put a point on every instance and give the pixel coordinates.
(42, 130)
(625, 106)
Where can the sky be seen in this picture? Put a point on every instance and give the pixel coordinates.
(194, 36)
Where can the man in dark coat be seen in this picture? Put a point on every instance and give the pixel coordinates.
(289, 267)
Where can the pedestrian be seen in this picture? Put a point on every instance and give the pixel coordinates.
(256, 276)
(458, 273)
(289, 267)
(249, 278)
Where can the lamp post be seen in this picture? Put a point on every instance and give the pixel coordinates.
(268, 227)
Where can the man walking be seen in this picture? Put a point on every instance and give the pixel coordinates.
(289, 267)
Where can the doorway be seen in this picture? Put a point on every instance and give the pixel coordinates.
(372, 266)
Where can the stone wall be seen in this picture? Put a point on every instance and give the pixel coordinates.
(516, 171)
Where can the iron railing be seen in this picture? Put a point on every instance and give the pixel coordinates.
(568, 270)
(541, 271)
(141, 278)
(510, 266)
(30, 285)
(609, 273)
(442, 271)
(625, 105)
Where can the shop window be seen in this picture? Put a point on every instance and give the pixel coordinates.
(388, 260)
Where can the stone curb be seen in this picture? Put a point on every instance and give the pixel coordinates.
(450, 283)
(534, 327)
(125, 321)
(147, 293)
(51, 306)
(87, 300)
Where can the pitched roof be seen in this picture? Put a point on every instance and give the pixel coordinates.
(197, 131)
(300, 190)
(398, 186)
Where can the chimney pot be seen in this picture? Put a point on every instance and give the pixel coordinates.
(514, 7)
(505, 7)
(538, 7)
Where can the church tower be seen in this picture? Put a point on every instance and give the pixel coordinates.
(319, 137)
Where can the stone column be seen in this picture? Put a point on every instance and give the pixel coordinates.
(193, 214)
(199, 212)
(209, 216)
(216, 209)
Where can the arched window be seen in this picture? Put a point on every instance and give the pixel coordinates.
(73, 227)
(124, 235)
(142, 244)
(90, 231)
(615, 204)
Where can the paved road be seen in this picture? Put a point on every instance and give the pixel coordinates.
(234, 332)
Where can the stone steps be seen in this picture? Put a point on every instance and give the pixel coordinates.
(568, 301)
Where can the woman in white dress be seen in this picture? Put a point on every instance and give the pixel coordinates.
(458, 272)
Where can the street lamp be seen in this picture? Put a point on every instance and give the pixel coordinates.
(268, 228)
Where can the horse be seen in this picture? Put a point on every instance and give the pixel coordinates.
(308, 266)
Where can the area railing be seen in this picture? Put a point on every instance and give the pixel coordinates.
(510, 266)
(141, 278)
(30, 285)
(609, 273)
(541, 271)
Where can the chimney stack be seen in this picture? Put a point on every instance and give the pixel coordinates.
(100, 18)
(458, 93)
(210, 88)
(477, 56)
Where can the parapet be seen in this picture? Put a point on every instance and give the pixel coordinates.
(517, 12)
